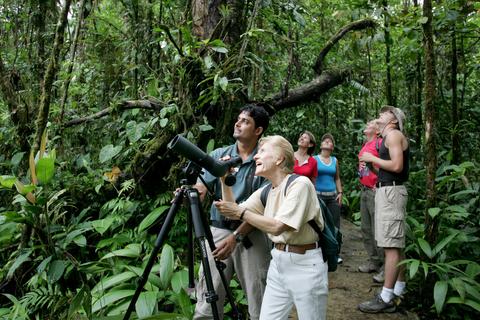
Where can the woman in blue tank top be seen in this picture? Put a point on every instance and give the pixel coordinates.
(328, 183)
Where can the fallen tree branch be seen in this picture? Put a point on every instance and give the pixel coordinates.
(357, 25)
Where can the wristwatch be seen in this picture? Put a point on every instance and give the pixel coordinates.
(238, 236)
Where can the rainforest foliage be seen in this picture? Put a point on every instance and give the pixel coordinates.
(92, 91)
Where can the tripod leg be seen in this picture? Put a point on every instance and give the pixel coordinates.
(203, 233)
(191, 276)
(177, 201)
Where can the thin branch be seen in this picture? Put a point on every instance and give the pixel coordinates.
(126, 105)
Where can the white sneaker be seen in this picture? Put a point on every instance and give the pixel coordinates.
(339, 260)
(379, 277)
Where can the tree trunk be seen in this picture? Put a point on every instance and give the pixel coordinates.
(73, 51)
(388, 43)
(50, 74)
(431, 224)
(456, 151)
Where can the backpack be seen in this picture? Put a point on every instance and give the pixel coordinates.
(330, 238)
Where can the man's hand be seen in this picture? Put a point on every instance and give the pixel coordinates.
(228, 209)
(225, 248)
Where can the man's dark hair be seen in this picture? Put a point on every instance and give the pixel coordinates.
(259, 115)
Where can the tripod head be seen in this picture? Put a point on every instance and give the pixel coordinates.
(191, 171)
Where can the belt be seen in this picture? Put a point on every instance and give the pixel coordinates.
(226, 224)
(365, 188)
(327, 194)
(296, 248)
(389, 184)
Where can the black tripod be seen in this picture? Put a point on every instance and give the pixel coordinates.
(195, 222)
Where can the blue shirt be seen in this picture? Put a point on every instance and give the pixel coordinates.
(246, 183)
(325, 181)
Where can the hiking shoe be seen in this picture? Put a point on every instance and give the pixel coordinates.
(379, 277)
(368, 267)
(377, 305)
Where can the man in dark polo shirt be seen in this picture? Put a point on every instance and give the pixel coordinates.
(250, 263)
(390, 206)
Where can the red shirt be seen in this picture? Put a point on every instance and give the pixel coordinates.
(307, 169)
(367, 177)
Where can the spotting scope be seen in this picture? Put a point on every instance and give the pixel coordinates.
(193, 153)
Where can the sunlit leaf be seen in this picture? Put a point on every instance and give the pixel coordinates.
(414, 268)
(109, 282)
(108, 152)
(130, 251)
(111, 297)
(425, 247)
(146, 303)
(180, 280)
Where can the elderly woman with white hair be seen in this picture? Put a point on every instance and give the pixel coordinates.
(297, 274)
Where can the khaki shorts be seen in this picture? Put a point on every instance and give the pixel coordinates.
(390, 215)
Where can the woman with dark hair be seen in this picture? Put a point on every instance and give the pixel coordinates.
(305, 164)
(328, 184)
(297, 274)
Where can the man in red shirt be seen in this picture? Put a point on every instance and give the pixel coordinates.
(368, 179)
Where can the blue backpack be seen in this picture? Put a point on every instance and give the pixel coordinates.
(330, 237)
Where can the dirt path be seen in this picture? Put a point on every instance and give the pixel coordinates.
(348, 287)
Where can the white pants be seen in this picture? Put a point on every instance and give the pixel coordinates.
(296, 279)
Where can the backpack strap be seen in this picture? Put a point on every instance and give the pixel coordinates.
(268, 187)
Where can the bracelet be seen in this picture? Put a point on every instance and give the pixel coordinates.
(243, 212)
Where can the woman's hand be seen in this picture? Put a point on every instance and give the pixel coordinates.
(367, 157)
(228, 209)
(224, 248)
(339, 198)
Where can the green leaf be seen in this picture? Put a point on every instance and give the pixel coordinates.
(166, 265)
(207, 60)
(180, 280)
(43, 265)
(110, 298)
(425, 247)
(414, 268)
(185, 304)
(135, 131)
(55, 270)
(7, 181)
(220, 49)
(108, 152)
(23, 257)
(210, 146)
(425, 269)
(102, 225)
(444, 242)
(423, 20)
(76, 303)
(439, 294)
(222, 82)
(130, 251)
(151, 218)
(205, 127)
(112, 281)
(17, 157)
(146, 303)
(433, 212)
(457, 300)
(163, 122)
(45, 169)
(459, 286)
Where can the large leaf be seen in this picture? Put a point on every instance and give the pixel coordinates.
(102, 225)
(112, 281)
(146, 303)
(45, 169)
(110, 298)
(166, 265)
(108, 152)
(444, 242)
(55, 270)
(151, 218)
(414, 268)
(474, 304)
(425, 247)
(7, 181)
(135, 131)
(180, 280)
(17, 157)
(439, 294)
(130, 251)
(23, 257)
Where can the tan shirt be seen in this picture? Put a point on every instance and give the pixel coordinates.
(294, 208)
